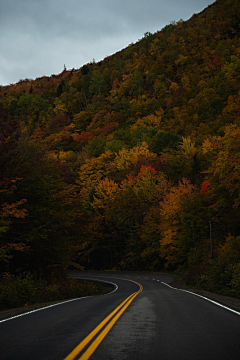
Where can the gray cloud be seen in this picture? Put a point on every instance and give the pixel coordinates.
(38, 37)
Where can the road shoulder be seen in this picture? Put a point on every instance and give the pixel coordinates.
(233, 303)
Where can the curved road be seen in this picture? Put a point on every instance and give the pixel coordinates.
(143, 318)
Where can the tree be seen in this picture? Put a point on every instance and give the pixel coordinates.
(97, 83)
(95, 146)
(174, 246)
(50, 210)
(132, 156)
(164, 141)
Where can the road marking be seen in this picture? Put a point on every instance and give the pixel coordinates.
(205, 298)
(108, 282)
(43, 308)
(60, 302)
(111, 320)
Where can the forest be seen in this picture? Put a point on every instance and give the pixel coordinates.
(130, 163)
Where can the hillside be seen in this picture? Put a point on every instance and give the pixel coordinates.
(132, 162)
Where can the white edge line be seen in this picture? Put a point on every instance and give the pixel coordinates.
(203, 297)
(42, 308)
(108, 282)
(62, 302)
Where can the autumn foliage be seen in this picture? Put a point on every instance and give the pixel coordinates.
(132, 162)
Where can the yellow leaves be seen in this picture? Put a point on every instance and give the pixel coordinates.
(154, 46)
(202, 84)
(185, 82)
(173, 87)
(95, 169)
(124, 86)
(104, 192)
(71, 127)
(61, 155)
(180, 115)
(188, 146)
(168, 236)
(144, 183)
(181, 60)
(172, 203)
(132, 156)
(206, 146)
(60, 107)
(232, 108)
(66, 155)
(151, 121)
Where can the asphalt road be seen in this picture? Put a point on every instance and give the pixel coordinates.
(148, 320)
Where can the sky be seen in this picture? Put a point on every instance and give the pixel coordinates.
(39, 37)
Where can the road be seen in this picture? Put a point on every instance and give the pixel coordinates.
(148, 320)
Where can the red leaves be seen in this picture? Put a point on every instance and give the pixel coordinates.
(216, 64)
(62, 73)
(115, 84)
(84, 136)
(146, 169)
(205, 186)
(108, 128)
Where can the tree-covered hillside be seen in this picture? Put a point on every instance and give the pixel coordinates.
(132, 162)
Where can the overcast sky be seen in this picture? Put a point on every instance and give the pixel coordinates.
(37, 37)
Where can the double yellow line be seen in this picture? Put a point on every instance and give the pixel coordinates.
(110, 321)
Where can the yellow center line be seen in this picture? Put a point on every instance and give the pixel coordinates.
(114, 316)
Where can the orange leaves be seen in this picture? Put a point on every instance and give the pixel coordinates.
(173, 199)
(210, 146)
(145, 170)
(8, 211)
(115, 84)
(170, 220)
(8, 185)
(13, 211)
(16, 247)
(97, 121)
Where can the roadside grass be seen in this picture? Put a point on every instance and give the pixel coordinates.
(26, 289)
